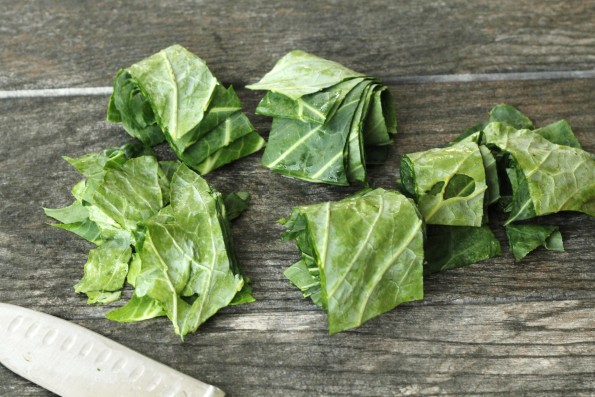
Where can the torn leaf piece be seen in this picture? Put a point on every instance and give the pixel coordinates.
(448, 184)
(549, 177)
(450, 247)
(526, 238)
(105, 271)
(365, 250)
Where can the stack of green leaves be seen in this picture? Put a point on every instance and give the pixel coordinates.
(528, 172)
(328, 121)
(160, 227)
(173, 95)
(360, 257)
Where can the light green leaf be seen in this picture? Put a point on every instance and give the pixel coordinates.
(173, 95)
(369, 253)
(136, 309)
(131, 193)
(448, 184)
(186, 266)
(299, 73)
(559, 178)
(105, 270)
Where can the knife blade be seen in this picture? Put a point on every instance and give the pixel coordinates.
(72, 361)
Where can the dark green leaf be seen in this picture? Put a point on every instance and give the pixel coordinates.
(450, 247)
(525, 238)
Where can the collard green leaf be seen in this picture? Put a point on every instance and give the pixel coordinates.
(235, 204)
(447, 183)
(136, 309)
(299, 73)
(132, 193)
(492, 180)
(560, 133)
(369, 253)
(310, 151)
(179, 86)
(173, 95)
(133, 110)
(450, 247)
(179, 257)
(510, 115)
(185, 262)
(105, 271)
(242, 147)
(314, 108)
(559, 178)
(526, 237)
(325, 122)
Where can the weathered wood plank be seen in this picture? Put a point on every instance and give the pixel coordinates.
(493, 328)
(73, 43)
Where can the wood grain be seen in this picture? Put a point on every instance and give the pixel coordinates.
(72, 43)
(495, 328)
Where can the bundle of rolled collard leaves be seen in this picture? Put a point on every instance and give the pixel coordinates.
(360, 257)
(528, 172)
(173, 95)
(328, 121)
(160, 227)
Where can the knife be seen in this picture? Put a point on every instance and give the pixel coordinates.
(73, 361)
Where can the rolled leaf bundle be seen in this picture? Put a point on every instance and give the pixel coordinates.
(360, 257)
(328, 121)
(160, 227)
(173, 96)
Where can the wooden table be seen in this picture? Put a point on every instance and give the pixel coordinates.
(495, 328)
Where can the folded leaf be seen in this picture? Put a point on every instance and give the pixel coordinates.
(326, 120)
(450, 247)
(173, 95)
(186, 267)
(448, 184)
(558, 178)
(299, 73)
(525, 238)
(368, 253)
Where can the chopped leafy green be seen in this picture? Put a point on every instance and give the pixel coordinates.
(549, 177)
(163, 229)
(532, 172)
(326, 120)
(449, 247)
(361, 256)
(526, 237)
(299, 73)
(173, 96)
(448, 184)
(511, 116)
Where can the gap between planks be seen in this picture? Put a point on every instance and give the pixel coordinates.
(427, 79)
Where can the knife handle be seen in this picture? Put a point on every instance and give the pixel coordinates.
(73, 361)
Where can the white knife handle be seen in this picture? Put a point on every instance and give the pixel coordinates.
(73, 361)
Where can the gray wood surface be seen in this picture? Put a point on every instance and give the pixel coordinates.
(81, 43)
(495, 328)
